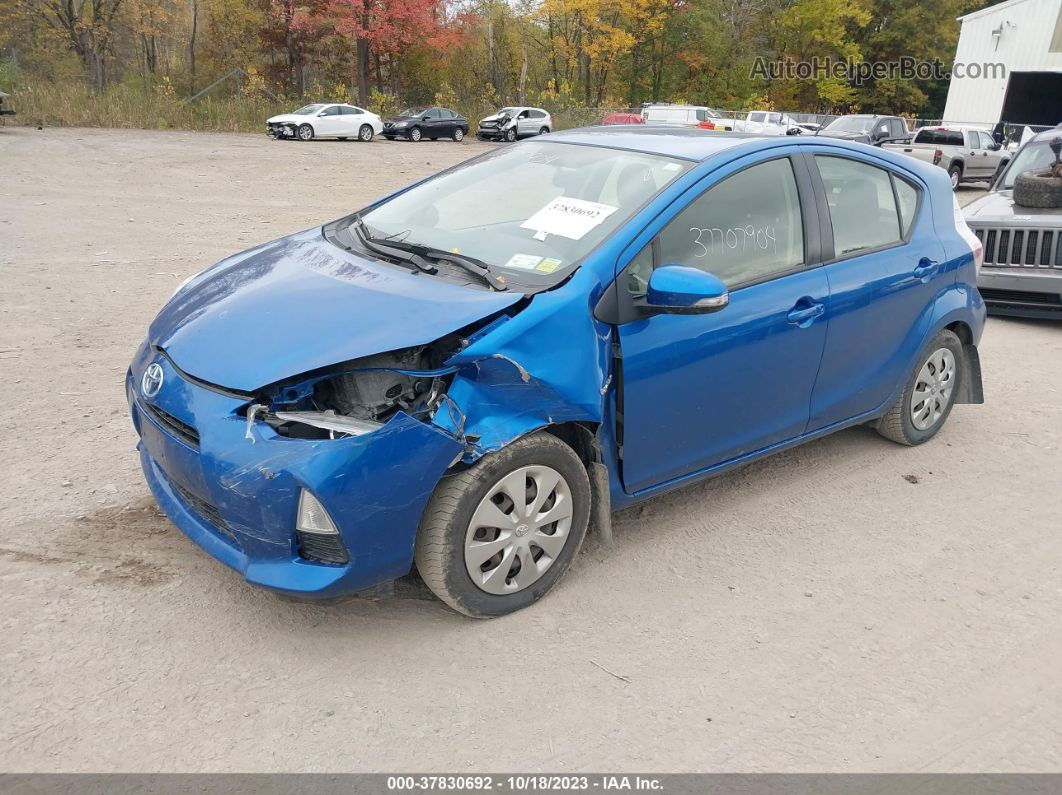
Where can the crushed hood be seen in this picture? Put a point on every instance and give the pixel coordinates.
(286, 117)
(301, 303)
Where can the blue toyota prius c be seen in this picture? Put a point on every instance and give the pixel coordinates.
(465, 375)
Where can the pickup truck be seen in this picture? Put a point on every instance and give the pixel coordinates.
(966, 153)
(868, 129)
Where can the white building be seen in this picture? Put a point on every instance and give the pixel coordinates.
(1024, 38)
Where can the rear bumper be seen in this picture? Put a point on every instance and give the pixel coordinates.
(1022, 292)
(237, 499)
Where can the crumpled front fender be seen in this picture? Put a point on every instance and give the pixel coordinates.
(549, 364)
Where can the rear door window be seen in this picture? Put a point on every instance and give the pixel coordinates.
(862, 204)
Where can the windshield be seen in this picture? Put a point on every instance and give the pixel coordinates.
(308, 110)
(1031, 157)
(412, 111)
(530, 212)
(856, 124)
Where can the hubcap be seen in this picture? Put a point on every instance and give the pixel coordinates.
(933, 389)
(518, 530)
(954, 179)
(415, 135)
(366, 133)
(305, 133)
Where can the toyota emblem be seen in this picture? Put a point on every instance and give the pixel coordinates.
(151, 383)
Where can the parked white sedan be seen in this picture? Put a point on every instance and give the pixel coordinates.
(326, 121)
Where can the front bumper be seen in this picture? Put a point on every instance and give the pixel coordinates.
(237, 498)
(490, 133)
(281, 130)
(1022, 292)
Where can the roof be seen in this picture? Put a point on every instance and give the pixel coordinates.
(688, 143)
(982, 12)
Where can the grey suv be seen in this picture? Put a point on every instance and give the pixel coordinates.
(1022, 272)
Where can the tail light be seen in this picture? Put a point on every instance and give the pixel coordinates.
(968, 235)
(937, 155)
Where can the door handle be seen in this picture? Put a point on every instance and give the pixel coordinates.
(925, 268)
(802, 313)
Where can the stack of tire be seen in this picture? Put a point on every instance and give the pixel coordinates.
(1041, 188)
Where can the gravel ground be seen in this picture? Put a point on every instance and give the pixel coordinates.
(849, 605)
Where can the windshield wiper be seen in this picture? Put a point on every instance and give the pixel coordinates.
(476, 267)
(388, 248)
(420, 254)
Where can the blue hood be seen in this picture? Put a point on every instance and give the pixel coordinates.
(300, 303)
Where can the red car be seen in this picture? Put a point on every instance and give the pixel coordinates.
(623, 118)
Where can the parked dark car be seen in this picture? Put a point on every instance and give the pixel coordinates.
(868, 129)
(418, 123)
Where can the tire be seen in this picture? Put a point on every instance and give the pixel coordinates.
(955, 173)
(1038, 189)
(544, 131)
(414, 134)
(365, 133)
(898, 423)
(459, 134)
(510, 134)
(448, 527)
(305, 132)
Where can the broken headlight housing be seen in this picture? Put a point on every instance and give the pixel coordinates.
(359, 396)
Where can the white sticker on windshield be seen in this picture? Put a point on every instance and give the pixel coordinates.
(524, 262)
(570, 218)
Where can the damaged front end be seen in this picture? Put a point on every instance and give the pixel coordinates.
(360, 396)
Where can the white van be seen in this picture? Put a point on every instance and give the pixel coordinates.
(686, 116)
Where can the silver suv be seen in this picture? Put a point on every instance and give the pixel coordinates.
(508, 124)
(1022, 272)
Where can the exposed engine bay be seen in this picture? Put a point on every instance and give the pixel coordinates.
(360, 395)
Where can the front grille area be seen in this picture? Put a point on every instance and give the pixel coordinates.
(1021, 248)
(182, 430)
(205, 510)
(1045, 300)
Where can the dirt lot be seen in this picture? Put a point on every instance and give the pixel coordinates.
(850, 605)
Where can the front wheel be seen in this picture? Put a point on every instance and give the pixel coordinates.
(510, 134)
(365, 133)
(415, 134)
(459, 134)
(929, 395)
(497, 536)
(305, 132)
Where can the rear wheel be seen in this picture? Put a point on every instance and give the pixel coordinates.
(305, 132)
(415, 134)
(955, 172)
(365, 133)
(497, 536)
(459, 134)
(543, 131)
(929, 395)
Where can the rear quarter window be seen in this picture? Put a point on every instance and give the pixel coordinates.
(863, 206)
